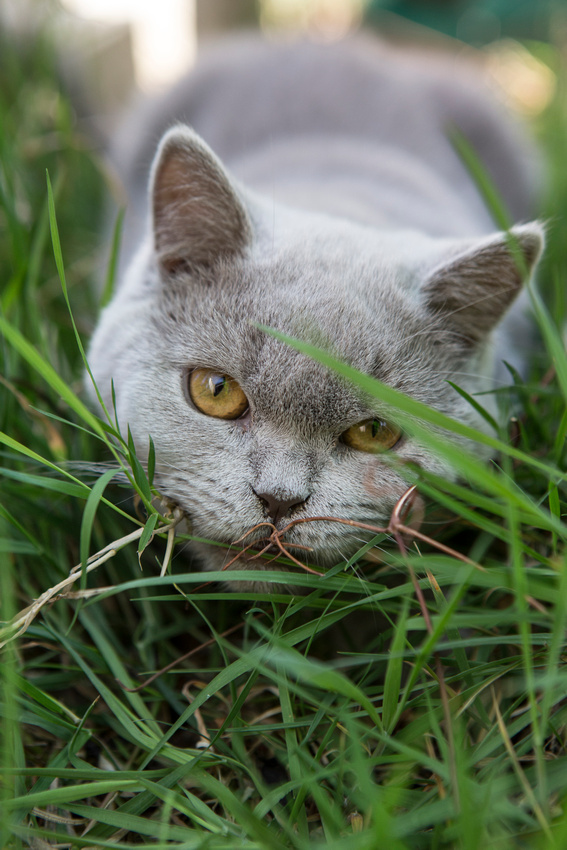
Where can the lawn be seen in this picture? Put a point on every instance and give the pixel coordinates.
(413, 698)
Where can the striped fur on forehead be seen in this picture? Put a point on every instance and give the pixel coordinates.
(212, 317)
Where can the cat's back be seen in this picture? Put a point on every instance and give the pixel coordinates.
(247, 94)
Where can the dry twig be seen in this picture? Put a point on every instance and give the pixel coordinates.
(21, 622)
(397, 527)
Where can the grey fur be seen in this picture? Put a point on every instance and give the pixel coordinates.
(345, 218)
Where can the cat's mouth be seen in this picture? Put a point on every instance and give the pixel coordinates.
(272, 544)
(305, 544)
(264, 542)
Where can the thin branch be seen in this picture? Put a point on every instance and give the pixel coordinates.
(21, 622)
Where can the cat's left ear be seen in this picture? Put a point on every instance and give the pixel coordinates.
(198, 215)
(473, 289)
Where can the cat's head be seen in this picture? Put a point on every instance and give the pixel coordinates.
(247, 430)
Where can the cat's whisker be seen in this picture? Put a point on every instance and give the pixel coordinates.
(426, 332)
(383, 549)
(451, 374)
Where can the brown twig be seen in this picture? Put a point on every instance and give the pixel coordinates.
(397, 527)
(274, 539)
(20, 623)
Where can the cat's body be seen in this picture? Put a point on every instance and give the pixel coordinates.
(354, 225)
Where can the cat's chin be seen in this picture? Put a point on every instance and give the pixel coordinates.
(219, 559)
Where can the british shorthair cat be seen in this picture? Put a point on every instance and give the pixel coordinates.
(312, 189)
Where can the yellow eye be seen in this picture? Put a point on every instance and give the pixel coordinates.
(372, 435)
(216, 394)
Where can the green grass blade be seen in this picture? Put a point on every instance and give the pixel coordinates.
(410, 413)
(108, 289)
(89, 514)
(393, 679)
(48, 373)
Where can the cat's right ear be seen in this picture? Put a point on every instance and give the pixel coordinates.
(198, 216)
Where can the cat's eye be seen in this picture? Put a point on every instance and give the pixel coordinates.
(216, 394)
(372, 435)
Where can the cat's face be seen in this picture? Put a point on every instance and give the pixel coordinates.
(247, 430)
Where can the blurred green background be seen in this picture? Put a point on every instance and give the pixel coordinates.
(476, 22)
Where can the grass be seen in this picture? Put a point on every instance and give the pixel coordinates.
(419, 702)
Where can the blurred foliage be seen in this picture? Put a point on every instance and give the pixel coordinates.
(475, 21)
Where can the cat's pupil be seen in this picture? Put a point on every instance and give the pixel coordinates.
(376, 426)
(216, 384)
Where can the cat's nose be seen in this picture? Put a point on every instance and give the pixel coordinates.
(277, 508)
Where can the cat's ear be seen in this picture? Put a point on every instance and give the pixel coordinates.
(197, 214)
(474, 288)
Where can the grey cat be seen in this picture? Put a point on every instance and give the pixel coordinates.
(343, 216)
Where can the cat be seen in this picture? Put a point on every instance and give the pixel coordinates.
(334, 209)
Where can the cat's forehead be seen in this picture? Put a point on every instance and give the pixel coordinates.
(219, 320)
(354, 312)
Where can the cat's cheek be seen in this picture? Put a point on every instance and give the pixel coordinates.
(381, 483)
(419, 457)
(385, 484)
